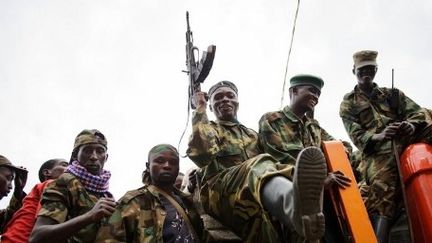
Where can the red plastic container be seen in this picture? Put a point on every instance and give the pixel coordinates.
(416, 166)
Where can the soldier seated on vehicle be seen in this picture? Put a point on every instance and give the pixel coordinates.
(158, 211)
(9, 174)
(75, 203)
(244, 189)
(285, 133)
(20, 226)
(375, 117)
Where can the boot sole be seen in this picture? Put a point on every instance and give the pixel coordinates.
(309, 177)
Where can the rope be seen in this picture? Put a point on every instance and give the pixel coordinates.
(289, 54)
(187, 123)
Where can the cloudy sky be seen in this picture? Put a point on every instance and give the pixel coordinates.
(117, 66)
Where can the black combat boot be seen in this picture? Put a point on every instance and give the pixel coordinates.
(298, 204)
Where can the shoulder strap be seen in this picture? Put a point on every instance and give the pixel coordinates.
(179, 209)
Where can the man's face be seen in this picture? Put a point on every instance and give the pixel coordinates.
(224, 104)
(56, 171)
(305, 97)
(365, 75)
(92, 157)
(7, 176)
(163, 167)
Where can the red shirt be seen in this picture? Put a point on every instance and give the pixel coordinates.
(19, 228)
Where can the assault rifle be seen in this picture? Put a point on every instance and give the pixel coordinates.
(197, 71)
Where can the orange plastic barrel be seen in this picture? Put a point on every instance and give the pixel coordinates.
(416, 169)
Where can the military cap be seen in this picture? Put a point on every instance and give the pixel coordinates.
(365, 58)
(6, 163)
(306, 79)
(220, 84)
(88, 136)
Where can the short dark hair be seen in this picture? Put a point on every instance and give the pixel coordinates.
(48, 165)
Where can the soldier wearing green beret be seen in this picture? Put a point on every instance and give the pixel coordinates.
(75, 203)
(156, 212)
(285, 133)
(248, 191)
(373, 116)
(11, 174)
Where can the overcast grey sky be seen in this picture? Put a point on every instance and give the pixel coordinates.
(116, 66)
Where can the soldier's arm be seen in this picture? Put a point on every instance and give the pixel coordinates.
(271, 141)
(361, 138)
(7, 213)
(203, 143)
(48, 229)
(411, 111)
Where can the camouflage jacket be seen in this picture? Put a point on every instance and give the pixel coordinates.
(140, 216)
(364, 116)
(66, 198)
(7, 213)
(283, 135)
(214, 146)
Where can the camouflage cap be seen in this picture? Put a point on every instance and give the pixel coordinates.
(365, 58)
(220, 84)
(88, 136)
(306, 79)
(5, 162)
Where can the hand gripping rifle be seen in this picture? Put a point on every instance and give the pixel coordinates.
(197, 72)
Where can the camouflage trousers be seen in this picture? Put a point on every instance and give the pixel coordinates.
(384, 195)
(233, 197)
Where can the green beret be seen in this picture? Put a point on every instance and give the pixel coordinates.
(162, 148)
(220, 84)
(306, 79)
(90, 136)
(6, 163)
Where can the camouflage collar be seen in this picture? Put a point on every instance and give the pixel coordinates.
(228, 123)
(287, 111)
(376, 91)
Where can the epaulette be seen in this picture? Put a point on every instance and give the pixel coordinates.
(273, 116)
(133, 194)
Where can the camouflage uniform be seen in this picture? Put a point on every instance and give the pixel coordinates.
(365, 116)
(140, 217)
(7, 213)
(66, 198)
(284, 135)
(233, 173)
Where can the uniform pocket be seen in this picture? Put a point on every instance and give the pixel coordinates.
(229, 156)
(365, 114)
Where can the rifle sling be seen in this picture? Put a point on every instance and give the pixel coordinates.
(177, 206)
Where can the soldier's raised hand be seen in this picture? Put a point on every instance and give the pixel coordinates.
(19, 182)
(104, 207)
(199, 99)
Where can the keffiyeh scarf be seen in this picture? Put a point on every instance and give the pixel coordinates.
(92, 183)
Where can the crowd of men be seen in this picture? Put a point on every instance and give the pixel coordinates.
(264, 186)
